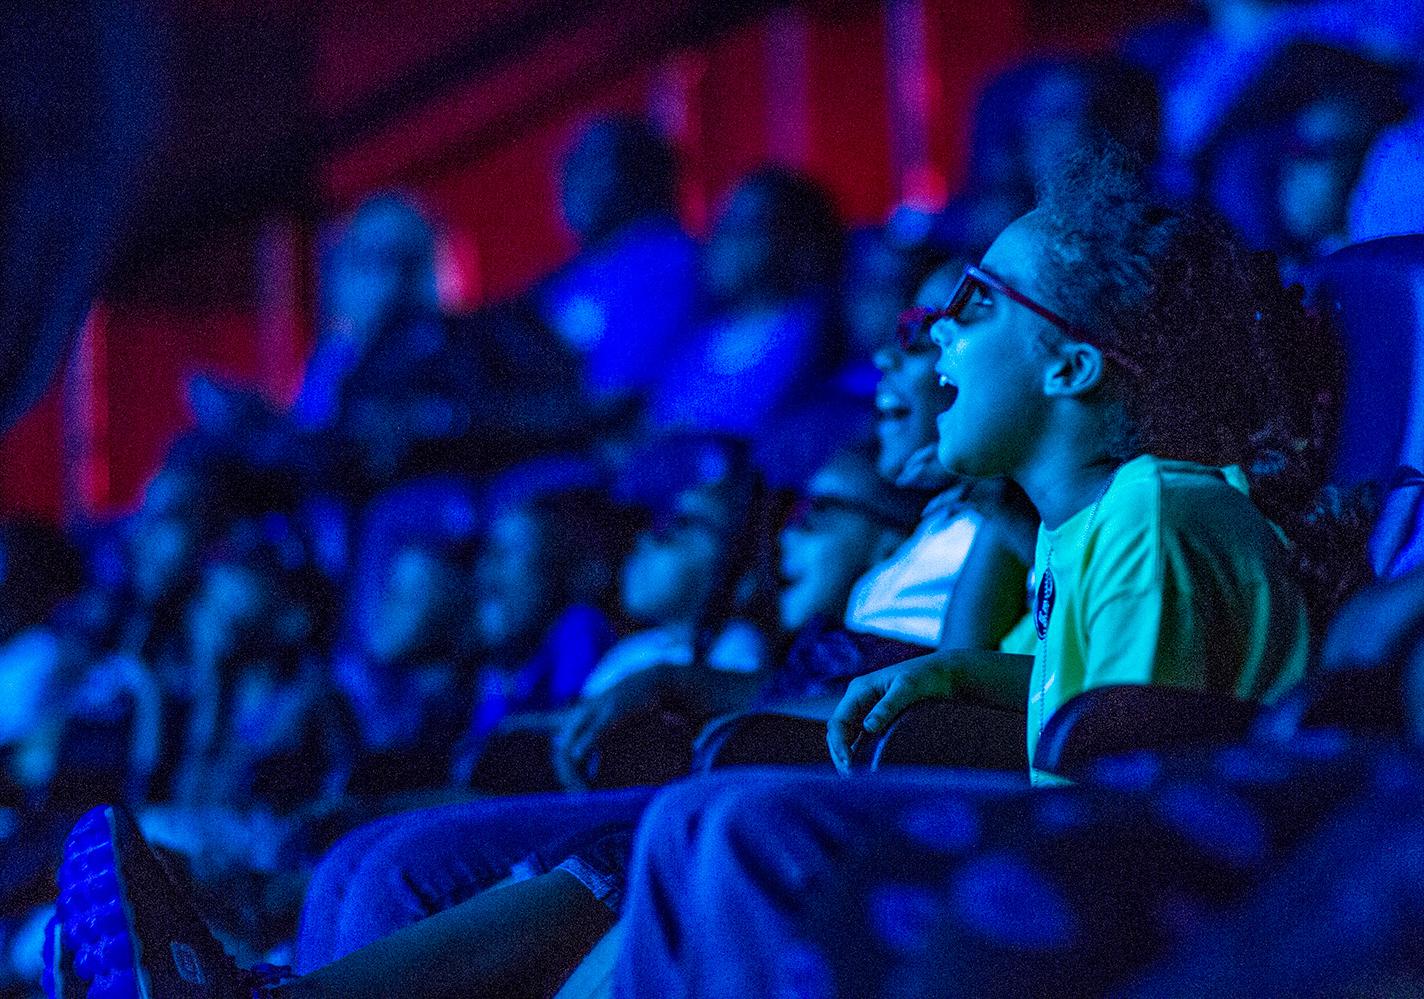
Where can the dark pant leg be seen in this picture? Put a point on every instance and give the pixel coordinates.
(931, 885)
(319, 929)
(412, 866)
(727, 870)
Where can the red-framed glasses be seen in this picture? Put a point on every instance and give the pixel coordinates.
(915, 324)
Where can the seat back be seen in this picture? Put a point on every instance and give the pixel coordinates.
(1373, 293)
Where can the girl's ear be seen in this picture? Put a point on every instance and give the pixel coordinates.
(1076, 369)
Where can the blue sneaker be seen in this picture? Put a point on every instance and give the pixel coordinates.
(126, 931)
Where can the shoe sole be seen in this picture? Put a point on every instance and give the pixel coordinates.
(94, 915)
(107, 868)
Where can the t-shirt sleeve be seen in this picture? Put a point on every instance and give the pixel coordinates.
(1147, 628)
(1126, 630)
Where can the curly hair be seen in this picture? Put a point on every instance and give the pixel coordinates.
(1235, 371)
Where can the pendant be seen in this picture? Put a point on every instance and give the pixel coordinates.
(1043, 603)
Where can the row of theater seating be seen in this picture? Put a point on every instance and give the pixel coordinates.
(1373, 293)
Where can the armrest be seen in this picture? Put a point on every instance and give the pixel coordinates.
(1363, 699)
(1107, 721)
(516, 760)
(761, 737)
(647, 747)
(940, 731)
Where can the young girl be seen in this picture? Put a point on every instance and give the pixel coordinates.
(1116, 359)
(544, 615)
(699, 583)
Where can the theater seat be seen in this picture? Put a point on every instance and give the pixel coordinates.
(761, 737)
(1373, 294)
(934, 732)
(944, 732)
(1122, 718)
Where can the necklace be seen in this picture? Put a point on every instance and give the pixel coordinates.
(1046, 596)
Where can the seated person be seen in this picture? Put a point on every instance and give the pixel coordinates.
(391, 389)
(768, 271)
(1082, 380)
(1311, 146)
(847, 517)
(408, 682)
(697, 582)
(544, 608)
(626, 301)
(849, 521)
(1164, 572)
(264, 734)
(482, 841)
(109, 663)
(267, 737)
(899, 604)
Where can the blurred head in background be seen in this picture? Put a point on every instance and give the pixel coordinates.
(620, 169)
(1325, 152)
(1077, 104)
(543, 554)
(257, 600)
(709, 555)
(423, 603)
(883, 271)
(189, 501)
(383, 271)
(909, 397)
(777, 238)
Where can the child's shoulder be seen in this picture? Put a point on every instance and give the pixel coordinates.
(1179, 484)
(1153, 496)
(1183, 498)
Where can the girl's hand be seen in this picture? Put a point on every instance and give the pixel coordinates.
(874, 700)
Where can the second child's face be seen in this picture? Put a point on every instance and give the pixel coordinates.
(740, 254)
(1318, 175)
(908, 400)
(992, 356)
(826, 550)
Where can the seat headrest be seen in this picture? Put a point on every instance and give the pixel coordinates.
(1373, 293)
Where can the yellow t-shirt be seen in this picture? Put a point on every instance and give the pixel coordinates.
(1179, 581)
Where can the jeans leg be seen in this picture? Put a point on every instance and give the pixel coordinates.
(727, 871)
(428, 861)
(318, 931)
